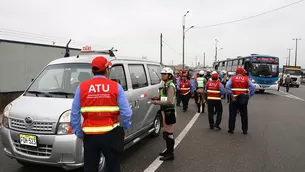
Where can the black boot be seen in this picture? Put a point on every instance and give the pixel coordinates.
(198, 106)
(163, 153)
(203, 105)
(169, 155)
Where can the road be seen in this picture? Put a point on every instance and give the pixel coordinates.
(275, 142)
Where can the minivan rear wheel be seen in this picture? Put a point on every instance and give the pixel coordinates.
(156, 126)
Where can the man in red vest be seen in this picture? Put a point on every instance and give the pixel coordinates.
(214, 90)
(240, 88)
(186, 88)
(101, 102)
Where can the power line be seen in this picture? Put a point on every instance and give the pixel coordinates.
(171, 48)
(250, 17)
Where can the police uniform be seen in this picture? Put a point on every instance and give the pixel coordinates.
(168, 110)
(201, 82)
(241, 89)
(101, 102)
(214, 90)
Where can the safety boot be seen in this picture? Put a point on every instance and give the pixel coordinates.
(198, 106)
(169, 154)
(203, 105)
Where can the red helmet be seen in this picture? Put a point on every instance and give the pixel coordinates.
(183, 71)
(240, 70)
(214, 76)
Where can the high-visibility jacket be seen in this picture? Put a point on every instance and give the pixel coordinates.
(213, 90)
(185, 87)
(240, 85)
(99, 106)
(163, 95)
(201, 82)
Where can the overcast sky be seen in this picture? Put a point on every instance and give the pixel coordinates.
(134, 26)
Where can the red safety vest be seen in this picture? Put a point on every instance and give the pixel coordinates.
(99, 106)
(240, 85)
(185, 87)
(213, 90)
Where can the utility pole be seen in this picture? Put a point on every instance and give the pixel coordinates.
(161, 48)
(216, 41)
(204, 60)
(183, 36)
(196, 61)
(289, 49)
(296, 50)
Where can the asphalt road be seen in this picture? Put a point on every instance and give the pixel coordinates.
(275, 142)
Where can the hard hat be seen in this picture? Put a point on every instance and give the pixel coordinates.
(201, 72)
(288, 75)
(99, 64)
(167, 70)
(183, 71)
(214, 75)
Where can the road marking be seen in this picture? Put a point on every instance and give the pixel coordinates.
(291, 96)
(157, 163)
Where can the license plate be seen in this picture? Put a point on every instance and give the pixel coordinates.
(28, 140)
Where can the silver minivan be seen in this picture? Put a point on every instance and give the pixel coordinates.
(35, 126)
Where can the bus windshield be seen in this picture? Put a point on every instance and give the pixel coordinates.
(266, 70)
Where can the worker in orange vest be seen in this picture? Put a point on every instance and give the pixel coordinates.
(106, 112)
(241, 89)
(186, 89)
(214, 90)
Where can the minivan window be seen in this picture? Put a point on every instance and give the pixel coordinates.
(63, 78)
(154, 74)
(138, 76)
(117, 73)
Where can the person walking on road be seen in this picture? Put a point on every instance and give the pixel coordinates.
(214, 90)
(200, 86)
(186, 89)
(167, 103)
(178, 95)
(103, 105)
(240, 88)
(288, 82)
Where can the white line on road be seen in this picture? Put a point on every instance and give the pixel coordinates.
(157, 163)
(291, 96)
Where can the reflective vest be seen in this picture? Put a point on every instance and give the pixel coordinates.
(99, 106)
(185, 87)
(200, 82)
(163, 94)
(213, 90)
(240, 85)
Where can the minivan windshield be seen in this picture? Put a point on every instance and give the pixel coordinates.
(60, 79)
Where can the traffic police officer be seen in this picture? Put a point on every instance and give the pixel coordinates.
(101, 102)
(240, 88)
(201, 82)
(167, 103)
(214, 90)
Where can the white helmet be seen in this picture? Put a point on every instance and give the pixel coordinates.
(201, 72)
(167, 70)
(224, 72)
(288, 75)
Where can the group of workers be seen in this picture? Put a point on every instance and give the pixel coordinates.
(107, 114)
(209, 88)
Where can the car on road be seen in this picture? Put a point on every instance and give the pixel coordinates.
(36, 129)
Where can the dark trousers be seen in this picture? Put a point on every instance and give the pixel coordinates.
(178, 96)
(214, 105)
(243, 109)
(185, 100)
(94, 145)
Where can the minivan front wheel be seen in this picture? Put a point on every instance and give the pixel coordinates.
(102, 164)
(156, 126)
